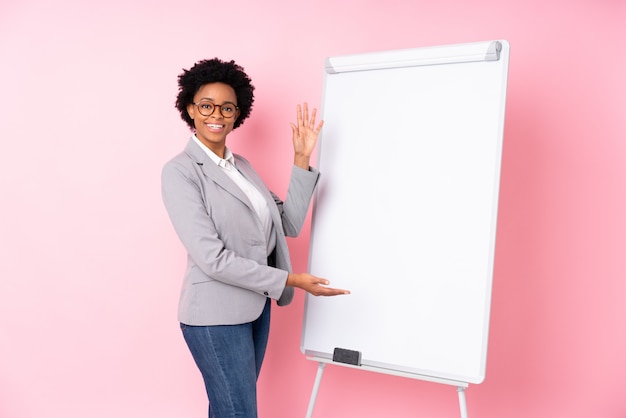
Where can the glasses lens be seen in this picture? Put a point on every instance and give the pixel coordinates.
(206, 108)
(228, 110)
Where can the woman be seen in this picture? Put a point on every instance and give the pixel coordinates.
(234, 230)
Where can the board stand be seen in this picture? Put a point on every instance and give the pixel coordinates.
(460, 386)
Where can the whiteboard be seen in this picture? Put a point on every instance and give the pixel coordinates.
(405, 211)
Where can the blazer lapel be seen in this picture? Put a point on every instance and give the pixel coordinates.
(215, 173)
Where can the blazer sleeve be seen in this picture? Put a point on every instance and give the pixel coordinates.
(301, 187)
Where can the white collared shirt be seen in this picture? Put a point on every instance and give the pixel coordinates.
(227, 164)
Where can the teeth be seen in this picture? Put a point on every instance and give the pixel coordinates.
(210, 125)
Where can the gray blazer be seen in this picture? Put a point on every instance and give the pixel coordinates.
(227, 280)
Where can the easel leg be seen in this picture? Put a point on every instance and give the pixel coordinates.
(462, 403)
(316, 387)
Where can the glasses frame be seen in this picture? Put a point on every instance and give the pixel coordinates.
(215, 106)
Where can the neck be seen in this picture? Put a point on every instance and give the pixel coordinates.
(218, 148)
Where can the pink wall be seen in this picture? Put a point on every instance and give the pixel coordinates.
(90, 267)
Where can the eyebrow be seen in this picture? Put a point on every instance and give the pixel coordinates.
(212, 100)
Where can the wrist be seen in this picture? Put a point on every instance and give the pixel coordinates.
(302, 162)
(293, 280)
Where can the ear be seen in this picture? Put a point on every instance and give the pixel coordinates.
(191, 110)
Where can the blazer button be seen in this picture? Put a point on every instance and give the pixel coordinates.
(266, 294)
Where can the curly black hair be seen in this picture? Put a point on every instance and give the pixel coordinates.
(215, 71)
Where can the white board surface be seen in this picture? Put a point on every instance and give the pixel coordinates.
(405, 212)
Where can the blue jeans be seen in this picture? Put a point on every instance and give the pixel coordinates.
(229, 358)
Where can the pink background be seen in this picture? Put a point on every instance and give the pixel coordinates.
(90, 267)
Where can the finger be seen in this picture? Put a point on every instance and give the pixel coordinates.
(306, 113)
(335, 292)
(313, 115)
(319, 127)
(299, 115)
(330, 290)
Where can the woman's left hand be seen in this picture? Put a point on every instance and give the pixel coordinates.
(305, 135)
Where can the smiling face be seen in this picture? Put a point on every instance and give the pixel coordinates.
(212, 130)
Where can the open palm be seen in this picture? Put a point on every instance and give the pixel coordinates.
(305, 135)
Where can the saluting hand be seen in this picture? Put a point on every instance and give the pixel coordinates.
(305, 135)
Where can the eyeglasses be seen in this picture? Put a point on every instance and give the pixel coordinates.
(207, 108)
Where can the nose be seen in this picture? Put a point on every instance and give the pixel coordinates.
(217, 112)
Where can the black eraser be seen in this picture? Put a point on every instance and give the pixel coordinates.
(341, 355)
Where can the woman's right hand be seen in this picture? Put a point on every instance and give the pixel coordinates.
(313, 285)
